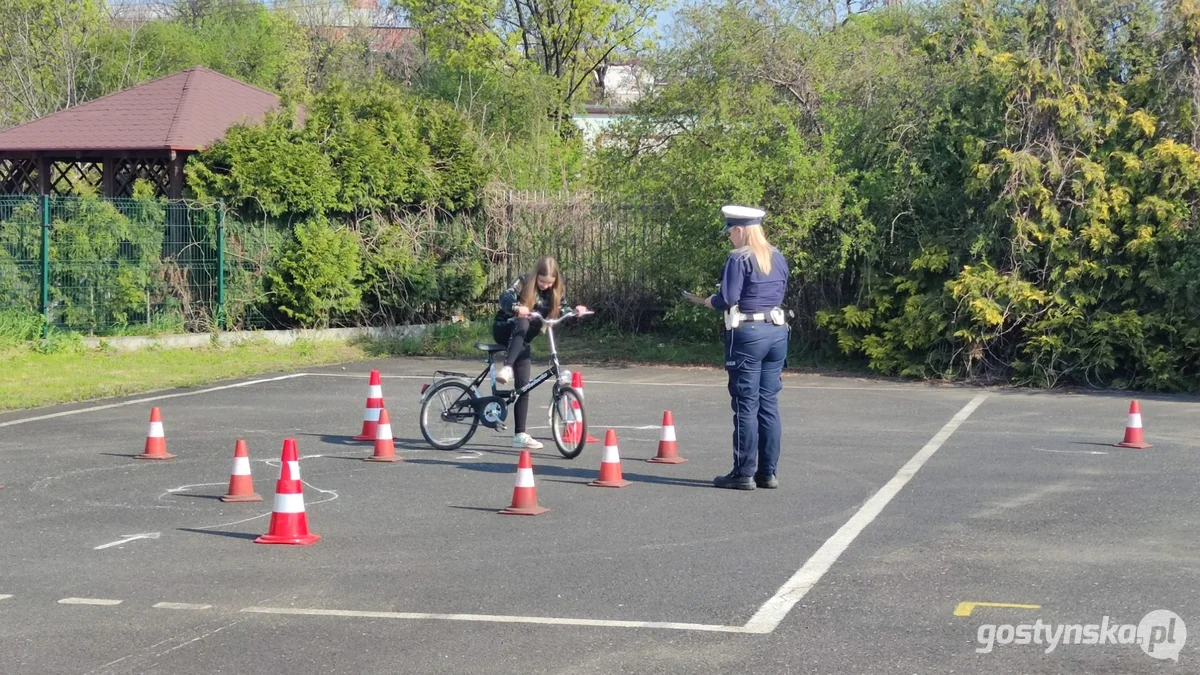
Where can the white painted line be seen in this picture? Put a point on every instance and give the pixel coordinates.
(235, 522)
(726, 386)
(264, 515)
(270, 462)
(109, 406)
(593, 427)
(1073, 452)
(180, 605)
(896, 389)
(386, 377)
(4, 596)
(197, 638)
(88, 601)
(553, 621)
(128, 538)
(186, 488)
(769, 616)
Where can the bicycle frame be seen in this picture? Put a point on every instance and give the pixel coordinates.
(474, 408)
(554, 371)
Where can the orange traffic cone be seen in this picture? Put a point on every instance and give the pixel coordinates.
(289, 522)
(524, 499)
(610, 464)
(291, 457)
(1133, 430)
(156, 442)
(573, 424)
(668, 450)
(385, 447)
(577, 384)
(371, 412)
(241, 484)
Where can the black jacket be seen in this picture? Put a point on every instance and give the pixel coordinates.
(512, 296)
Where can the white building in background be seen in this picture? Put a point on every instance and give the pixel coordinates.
(617, 85)
(624, 83)
(595, 120)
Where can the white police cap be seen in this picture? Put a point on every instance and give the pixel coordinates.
(736, 216)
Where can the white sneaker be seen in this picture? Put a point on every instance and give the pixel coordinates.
(526, 442)
(504, 375)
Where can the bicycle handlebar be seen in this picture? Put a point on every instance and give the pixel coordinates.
(554, 322)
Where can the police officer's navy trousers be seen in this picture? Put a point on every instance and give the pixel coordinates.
(754, 357)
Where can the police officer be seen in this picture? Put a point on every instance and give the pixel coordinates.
(752, 288)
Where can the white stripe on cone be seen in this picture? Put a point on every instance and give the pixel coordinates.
(156, 430)
(289, 503)
(294, 469)
(525, 478)
(611, 456)
(384, 432)
(375, 391)
(371, 414)
(241, 466)
(1135, 420)
(668, 433)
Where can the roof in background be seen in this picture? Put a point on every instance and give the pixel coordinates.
(185, 111)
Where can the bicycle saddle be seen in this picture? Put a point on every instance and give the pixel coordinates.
(491, 349)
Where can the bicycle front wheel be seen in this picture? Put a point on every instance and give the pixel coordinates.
(447, 418)
(568, 421)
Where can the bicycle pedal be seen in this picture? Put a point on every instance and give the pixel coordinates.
(501, 426)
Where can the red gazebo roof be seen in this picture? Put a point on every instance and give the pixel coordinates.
(185, 111)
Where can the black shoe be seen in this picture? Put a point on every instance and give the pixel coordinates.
(767, 482)
(732, 481)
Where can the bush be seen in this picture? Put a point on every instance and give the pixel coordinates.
(19, 326)
(366, 150)
(315, 278)
(964, 190)
(693, 323)
(413, 277)
(103, 261)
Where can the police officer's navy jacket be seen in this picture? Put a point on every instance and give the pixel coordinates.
(742, 284)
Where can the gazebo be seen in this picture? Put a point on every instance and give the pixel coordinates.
(146, 132)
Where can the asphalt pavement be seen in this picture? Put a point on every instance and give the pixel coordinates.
(900, 504)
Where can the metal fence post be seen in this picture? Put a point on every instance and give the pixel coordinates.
(45, 266)
(221, 264)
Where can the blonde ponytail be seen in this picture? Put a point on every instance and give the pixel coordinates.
(758, 246)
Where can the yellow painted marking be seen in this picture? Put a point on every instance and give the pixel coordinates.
(965, 608)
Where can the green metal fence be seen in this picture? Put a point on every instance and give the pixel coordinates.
(113, 266)
(131, 266)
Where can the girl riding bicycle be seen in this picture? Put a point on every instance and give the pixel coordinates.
(541, 292)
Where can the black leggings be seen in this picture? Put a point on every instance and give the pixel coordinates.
(516, 336)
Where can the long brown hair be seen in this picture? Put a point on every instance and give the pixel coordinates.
(529, 291)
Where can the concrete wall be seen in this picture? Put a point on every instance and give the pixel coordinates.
(282, 337)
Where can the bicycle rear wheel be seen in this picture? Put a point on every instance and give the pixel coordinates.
(568, 421)
(448, 419)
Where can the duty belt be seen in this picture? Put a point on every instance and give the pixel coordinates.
(734, 317)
